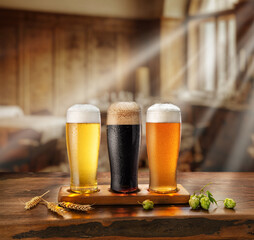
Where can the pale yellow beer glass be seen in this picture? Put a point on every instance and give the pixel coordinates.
(83, 141)
(163, 135)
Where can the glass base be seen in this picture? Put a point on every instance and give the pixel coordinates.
(130, 190)
(163, 191)
(81, 190)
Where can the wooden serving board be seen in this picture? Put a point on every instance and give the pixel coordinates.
(106, 197)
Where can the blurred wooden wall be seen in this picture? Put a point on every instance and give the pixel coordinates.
(172, 57)
(51, 61)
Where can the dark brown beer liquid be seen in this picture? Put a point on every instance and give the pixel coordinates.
(123, 149)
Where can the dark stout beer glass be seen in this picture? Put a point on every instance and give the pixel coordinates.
(124, 136)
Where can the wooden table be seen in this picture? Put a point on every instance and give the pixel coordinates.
(122, 222)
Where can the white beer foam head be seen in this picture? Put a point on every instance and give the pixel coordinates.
(83, 113)
(124, 113)
(163, 113)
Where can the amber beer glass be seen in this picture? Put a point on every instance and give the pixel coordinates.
(83, 142)
(163, 134)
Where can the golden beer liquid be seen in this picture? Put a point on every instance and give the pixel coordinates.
(163, 142)
(83, 142)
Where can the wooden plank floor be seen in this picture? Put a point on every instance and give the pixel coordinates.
(123, 222)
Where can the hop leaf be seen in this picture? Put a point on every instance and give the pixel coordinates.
(210, 196)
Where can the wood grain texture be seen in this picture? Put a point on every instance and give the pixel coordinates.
(8, 65)
(118, 222)
(106, 197)
(124, 53)
(70, 68)
(38, 62)
(102, 62)
(52, 61)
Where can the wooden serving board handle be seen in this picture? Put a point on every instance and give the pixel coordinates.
(106, 197)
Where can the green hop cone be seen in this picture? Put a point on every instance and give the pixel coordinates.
(201, 195)
(194, 201)
(205, 203)
(229, 203)
(147, 204)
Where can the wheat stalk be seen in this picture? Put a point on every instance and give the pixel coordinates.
(54, 208)
(34, 201)
(75, 206)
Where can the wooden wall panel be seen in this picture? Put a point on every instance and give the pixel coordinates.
(154, 63)
(8, 65)
(52, 61)
(38, 63)
(102, 63)
(124, 71)
(71, 68)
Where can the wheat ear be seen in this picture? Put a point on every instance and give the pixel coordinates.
(75, 206)
(34, 201)
(54, 208)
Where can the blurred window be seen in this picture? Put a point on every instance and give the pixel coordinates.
(210, 6)
(212, 54)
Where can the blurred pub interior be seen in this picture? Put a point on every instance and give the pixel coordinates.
(197, 54)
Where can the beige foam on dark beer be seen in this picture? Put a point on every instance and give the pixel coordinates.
(123, 113)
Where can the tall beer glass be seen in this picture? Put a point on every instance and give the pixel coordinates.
(124, 135)
(83, 142)
(163, 135)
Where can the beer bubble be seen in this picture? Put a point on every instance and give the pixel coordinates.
(163, 113)
(83, 113)
(124, 113)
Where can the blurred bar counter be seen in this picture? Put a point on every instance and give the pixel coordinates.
(123, 222)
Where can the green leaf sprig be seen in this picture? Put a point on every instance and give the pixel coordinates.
(210, 196)
(204, 200)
